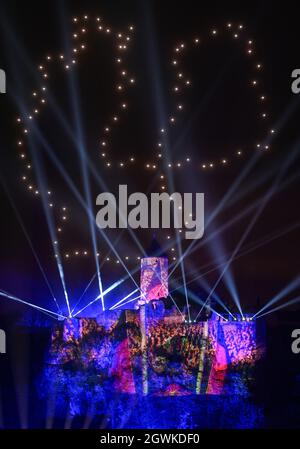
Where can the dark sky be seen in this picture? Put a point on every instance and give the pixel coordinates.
(220, 117)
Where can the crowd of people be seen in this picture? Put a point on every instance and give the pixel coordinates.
(180, 339)
(165, 340)
(240, 342)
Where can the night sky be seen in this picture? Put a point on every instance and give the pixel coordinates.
(221, 116)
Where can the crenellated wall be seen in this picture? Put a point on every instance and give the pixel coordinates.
(212, 357)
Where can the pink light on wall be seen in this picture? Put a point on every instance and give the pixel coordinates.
(154, 278)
